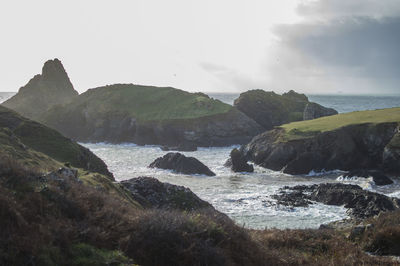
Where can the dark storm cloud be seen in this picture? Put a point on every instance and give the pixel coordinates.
(357, 40)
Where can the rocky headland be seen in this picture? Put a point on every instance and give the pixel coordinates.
(51, 87)
(351, 141)
(270, 109)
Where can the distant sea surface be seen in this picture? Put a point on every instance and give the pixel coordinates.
(246, 198)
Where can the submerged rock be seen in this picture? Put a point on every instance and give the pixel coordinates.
(378, 177)
(361, 203)
(184, 146)
(181, 164)
(238, 162)
(151, 193)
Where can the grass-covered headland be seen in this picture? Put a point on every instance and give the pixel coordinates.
(305, 129)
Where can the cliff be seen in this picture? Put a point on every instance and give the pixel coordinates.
(150, 115)
(358, 140)
(44, 90)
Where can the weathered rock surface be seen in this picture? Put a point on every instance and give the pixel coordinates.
(378, 177)
(151, 115)
(238, 163)
(43, 91)
(362, 146)
(151, 193)
(270, 109)
(181, 164)
(361, 203)
(314, 110)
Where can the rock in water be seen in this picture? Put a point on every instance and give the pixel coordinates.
(361, 203)
(181, 164)
(314, 110)
(379, 178)
(238, 162)
(150, 192)
(43, 91)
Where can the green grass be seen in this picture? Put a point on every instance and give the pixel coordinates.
(309, 128)
(148, 103)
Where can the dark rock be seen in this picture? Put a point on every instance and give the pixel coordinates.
(181, 164)
(238, 162)
(357, 232)
(361, 203)
(347, 148)
(378, 177)
(391, 155)
(151, 193)
(270, 109)
(314, 110)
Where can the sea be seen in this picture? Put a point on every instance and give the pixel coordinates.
(246, 197)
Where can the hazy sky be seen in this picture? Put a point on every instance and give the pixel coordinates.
(325, 46)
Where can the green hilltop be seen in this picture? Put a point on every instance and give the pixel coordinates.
(147, 103)
(309, 128)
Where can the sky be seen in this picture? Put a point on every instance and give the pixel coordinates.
(311, 46)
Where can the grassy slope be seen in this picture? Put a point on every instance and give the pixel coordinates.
(47, 141)
(304, 129)
(149, 103)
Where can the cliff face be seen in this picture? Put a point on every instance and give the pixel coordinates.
(151, 115)
(270, 109)
(358, 141)
(22, 138)
(44, 90)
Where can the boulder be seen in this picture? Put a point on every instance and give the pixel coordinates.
(314, 110)
(361, 203)
(151, 193)
(379, 178)
(238, 162)
(181, 164)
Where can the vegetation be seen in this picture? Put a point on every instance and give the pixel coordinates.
(49, 221)
(305, 129)
(48, 141)
(145, 103)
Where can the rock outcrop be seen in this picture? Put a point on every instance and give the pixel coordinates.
(270, 109)
(43, 91)
(361, 203)
(151, 115)
(238, 163)
(181, 164)
(151, 193)
(20, 137)
(315, 110)
(359, 146)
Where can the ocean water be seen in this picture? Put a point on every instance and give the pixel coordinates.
(245, 197)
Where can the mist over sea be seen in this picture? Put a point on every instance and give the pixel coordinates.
(245, 197)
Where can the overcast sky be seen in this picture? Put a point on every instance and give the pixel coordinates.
(325, 46)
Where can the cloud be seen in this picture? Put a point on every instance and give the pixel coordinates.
(355, 48)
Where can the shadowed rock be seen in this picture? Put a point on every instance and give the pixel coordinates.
(238, 162)
(181, 164)
(361, 203)
(151, 193)
(314, 110)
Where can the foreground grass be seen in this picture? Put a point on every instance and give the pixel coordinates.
(304, 129)
(64, 222)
